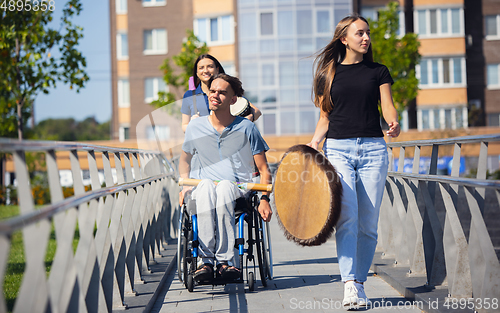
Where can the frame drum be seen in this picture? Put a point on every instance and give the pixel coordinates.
(307, 196)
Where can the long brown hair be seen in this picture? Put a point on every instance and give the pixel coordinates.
(327, 60)
(195, 67)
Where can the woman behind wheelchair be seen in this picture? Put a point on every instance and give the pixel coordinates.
(226, 148)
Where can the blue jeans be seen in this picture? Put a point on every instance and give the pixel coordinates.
(362, 166)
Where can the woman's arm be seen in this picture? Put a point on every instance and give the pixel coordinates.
(185, 121)
(321, 129)
(389, 111)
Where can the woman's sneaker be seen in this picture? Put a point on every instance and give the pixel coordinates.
(362, 298)
(350, 295)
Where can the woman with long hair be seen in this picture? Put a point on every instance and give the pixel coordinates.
(348, 87)
(195, 103)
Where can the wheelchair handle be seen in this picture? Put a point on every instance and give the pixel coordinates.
(245, 186)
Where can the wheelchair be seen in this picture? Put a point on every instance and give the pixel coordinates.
(258, 237)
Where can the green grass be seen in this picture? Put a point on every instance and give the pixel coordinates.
(16, 262)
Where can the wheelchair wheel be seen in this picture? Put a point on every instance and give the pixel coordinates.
(181, 246)
(268, 252)
(251, 281)
(260, 248)
(190, 283)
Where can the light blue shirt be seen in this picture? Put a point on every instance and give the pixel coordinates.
(223, 156)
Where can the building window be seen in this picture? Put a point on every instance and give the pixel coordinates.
(155, 41)
(153, 3)
(266, 24)
(123, 93)
(442, 72)
(121, 6)
(269, 123)
(494, 119)
(229, 68)
(152, 86)
(267, 72)
(491, 27)
(439, 22)
(124, 132)
(122, 46)
(162, 132)
(323, 24)
(215, 30)
(372, 13)
(492, 73)
(442, 118)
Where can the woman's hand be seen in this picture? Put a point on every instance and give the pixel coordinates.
(195, 116)
(394, 129)
(313, 144)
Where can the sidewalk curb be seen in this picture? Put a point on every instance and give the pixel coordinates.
(413, 288)
(147, 293)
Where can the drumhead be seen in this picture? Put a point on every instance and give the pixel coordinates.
(307, 196)
(240, 106)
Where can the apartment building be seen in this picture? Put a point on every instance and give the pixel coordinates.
(277, 40)
(442, 101)
(490, 10)
(271, 44)
(268, 44)
(143, 34)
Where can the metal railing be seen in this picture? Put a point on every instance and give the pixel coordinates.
(121, 226)
(444, 226)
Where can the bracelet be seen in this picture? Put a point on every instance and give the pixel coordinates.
(265, 197)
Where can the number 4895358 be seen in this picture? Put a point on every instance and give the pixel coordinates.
(28, 5)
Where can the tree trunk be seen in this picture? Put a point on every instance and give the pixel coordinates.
(20, 120)
(19, 102)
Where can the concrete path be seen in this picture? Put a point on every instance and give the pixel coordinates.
(305, 279)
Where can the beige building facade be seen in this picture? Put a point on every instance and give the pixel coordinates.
(270, 44)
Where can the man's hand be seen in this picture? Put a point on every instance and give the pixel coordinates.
(265, 210)
(182, 194)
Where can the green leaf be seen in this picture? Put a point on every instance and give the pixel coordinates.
(32, 71)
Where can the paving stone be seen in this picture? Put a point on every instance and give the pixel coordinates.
(305, 279)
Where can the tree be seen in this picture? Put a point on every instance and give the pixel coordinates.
(192, 47)
(27, 65)
(67, 129)
(399, 54)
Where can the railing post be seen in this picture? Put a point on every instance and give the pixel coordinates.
(413, 221)
(32, 297)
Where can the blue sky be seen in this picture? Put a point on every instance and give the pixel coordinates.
(95, 98)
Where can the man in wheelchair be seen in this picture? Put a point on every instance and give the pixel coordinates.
(226, 148)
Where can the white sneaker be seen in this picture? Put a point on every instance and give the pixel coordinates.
(350, 295)
(362, 298)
